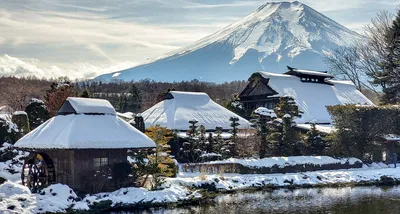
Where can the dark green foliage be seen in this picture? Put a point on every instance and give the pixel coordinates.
(37, 113)
(209, 143)
(85, 93)
(236, 106)
(22, 121)
(8, 132)
(191, 148)
(388, 74)
(218, 141)
(314, 141)
(260, 123)
(285, 106)
(358, 128)
(234, 128)
(120, 174)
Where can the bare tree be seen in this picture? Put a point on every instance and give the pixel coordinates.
(365, 59)
(374, 53)
(346, 63)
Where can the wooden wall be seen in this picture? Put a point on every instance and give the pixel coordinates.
(75, 167)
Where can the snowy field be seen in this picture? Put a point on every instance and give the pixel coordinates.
(15, 198)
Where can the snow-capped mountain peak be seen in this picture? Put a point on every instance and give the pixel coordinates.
(273, 36)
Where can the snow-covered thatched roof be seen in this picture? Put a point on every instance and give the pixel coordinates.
(179, 108)
(78, 105)
(312, 98)
(89, 124)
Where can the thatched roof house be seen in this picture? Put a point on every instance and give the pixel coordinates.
(311, 90)
(84, 136)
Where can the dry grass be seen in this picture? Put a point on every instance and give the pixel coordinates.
(203, 174)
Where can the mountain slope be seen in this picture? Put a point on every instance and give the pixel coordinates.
(275, 35)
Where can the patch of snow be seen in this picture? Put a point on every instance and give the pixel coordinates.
(212, 154)
(34, 100)
(20, 113)
(285, 161)
(321, 128)
(265, 112)
(55, 198)
(116, 74)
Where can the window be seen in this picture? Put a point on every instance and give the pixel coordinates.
(99, 162)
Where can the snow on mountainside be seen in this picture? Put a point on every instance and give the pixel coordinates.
(275, 35)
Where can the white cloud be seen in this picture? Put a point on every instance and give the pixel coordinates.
(65, 37)
(12, 66)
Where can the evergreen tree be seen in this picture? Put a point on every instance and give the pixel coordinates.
(260, 122)
(233, 139)
(209, 143)
(218, 141)
(37, 113)
(85, 93)
(388, 77)
(202, 138)
(290, 137)
(133, 100)
(290, 143)
(315, 143)
(287, 105)
(191, 150)
(8, 131)
(236, 106)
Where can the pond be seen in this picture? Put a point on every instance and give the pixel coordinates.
(354, 200)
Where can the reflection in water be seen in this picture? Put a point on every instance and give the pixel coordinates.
(354, 200)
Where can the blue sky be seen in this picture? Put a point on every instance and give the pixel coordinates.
(58, 37)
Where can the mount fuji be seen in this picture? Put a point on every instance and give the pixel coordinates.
(269, 39)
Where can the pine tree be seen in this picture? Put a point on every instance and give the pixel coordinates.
(287, 105)
(260, 122)
(85, 93)
(191, 150)
(314, 141)
(218, 141)
(290, 143)
(134, 100)
(233, 139)
(209, 143)
(37, 113)
(389, 75)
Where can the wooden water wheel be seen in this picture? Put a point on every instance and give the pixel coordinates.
(37, 171)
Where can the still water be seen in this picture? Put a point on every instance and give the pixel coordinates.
(352, 200)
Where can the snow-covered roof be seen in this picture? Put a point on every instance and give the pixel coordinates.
(81, 130)
(175, 113)
(326, 129)
(85, 132)
(87, 106)
(309, 72)
(312, 98)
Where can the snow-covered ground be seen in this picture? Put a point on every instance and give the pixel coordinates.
(15, 198)
(287, 161)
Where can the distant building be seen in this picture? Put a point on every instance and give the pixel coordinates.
(69, 148)
(311, 90)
